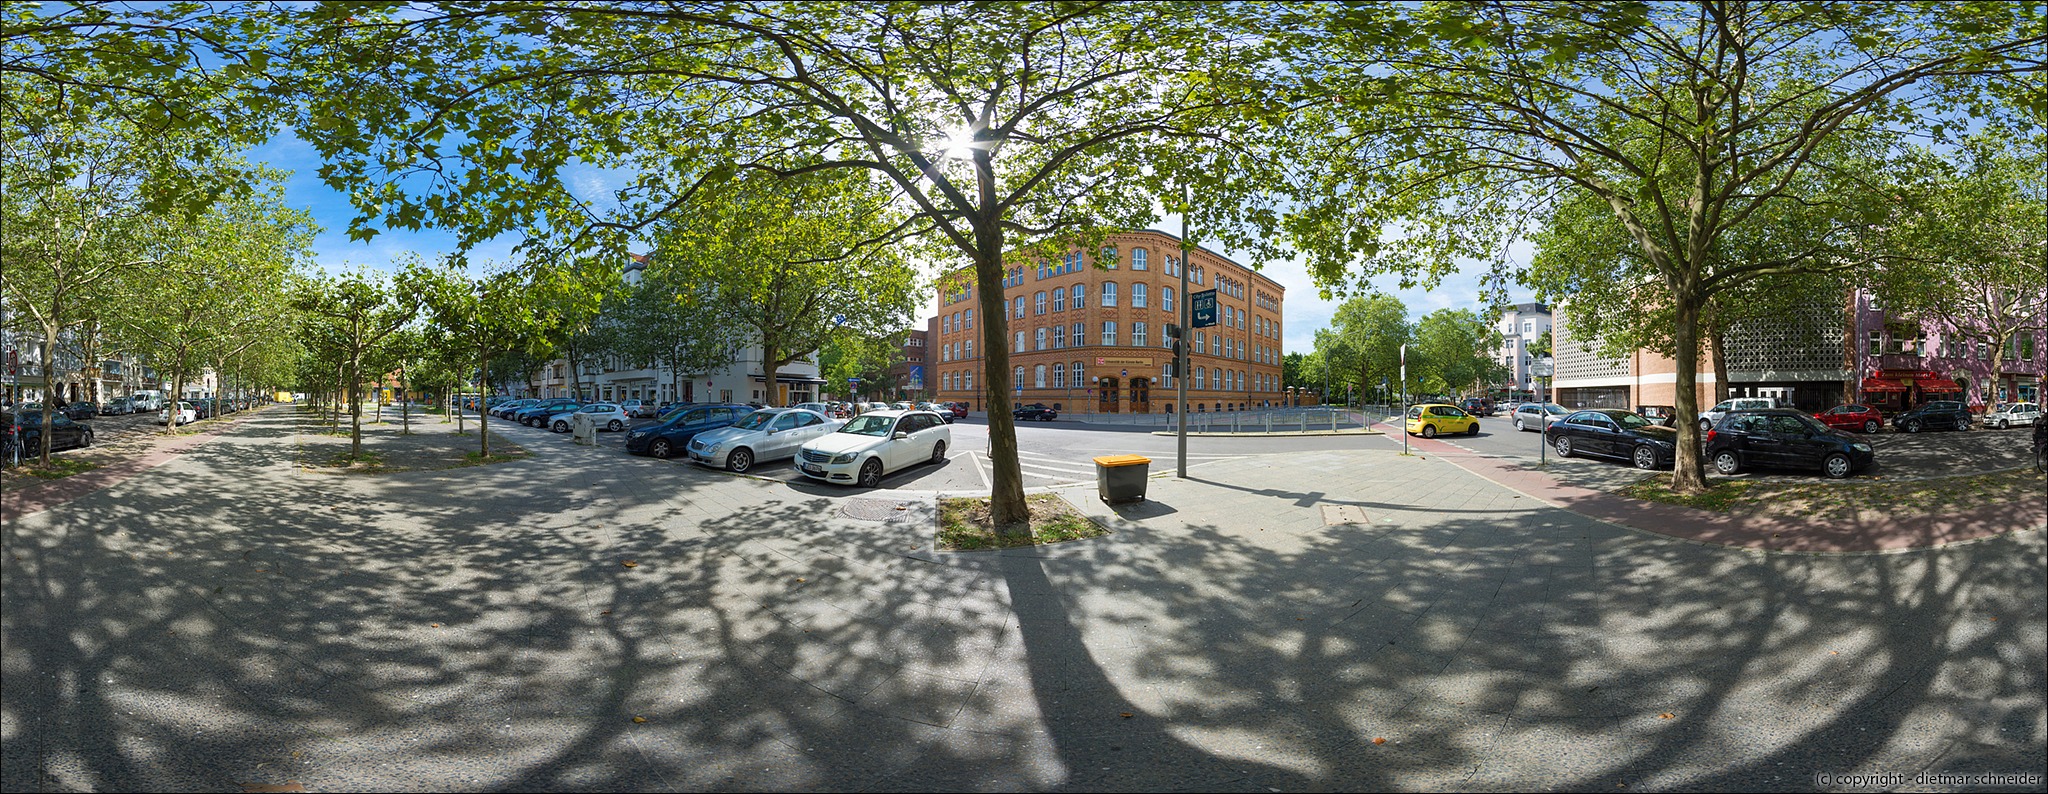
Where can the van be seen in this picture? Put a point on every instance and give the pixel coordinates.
(148, 400)
(1712, 415)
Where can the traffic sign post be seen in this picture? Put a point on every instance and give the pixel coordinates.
(1403, 418)
(1204, 304)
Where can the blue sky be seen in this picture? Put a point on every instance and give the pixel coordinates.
(1304, 311)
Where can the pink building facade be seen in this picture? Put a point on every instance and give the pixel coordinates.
(1901, 362)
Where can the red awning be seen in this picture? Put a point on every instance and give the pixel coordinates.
(1882, 385)
(1937, 385)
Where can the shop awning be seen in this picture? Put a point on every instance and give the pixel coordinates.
(1874, 384)
(1937, 385)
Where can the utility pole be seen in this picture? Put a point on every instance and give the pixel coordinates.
(1180, 344)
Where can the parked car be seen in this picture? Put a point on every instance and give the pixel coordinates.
(1783, 438)
(871, 445)
(187, 414)
(637, 409)
(767, 434)
(2007, 415)
(822, 409)
(1430, 420)
(537, 414)
(959, 409)
(1659, 414)
(1708, 417)
(1537, 416)
(608, 416)
(1035, 411)
(80, 409)
(945, 414)
(24, 431)
(1852, 417)
(1614, 433)
(902, 405)
(505, 410)
(1935, 415)
(1477, 406)
(672, 435)
(119, 406)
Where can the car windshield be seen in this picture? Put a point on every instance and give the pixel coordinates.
(869, 425)
(1554, 408)
(757, 420)
(1630, 421)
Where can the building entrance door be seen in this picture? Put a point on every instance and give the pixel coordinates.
(1112, 397)
(1141, 395)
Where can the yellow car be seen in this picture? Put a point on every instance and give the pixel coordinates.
(1429, 420)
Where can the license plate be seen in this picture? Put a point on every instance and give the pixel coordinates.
(811, 468)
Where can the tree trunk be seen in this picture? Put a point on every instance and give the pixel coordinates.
(483, 423)
(1717, 342)
(355, 408)
(1687, 474)
(49, 388)
(405, 409)
(1012, 516)
(769, 370)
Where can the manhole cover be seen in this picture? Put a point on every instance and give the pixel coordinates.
(874, 509)
(1334, 515)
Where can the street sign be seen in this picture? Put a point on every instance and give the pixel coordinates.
(1205, 308)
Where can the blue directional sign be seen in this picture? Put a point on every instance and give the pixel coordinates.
(916, 377)
(1205, 308)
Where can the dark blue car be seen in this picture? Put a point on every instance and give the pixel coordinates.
(534, 415)
(668, 437)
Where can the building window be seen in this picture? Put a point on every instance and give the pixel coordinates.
(1137, 334)
(1040, 340)
(946, 353)
(970, 348)
(1166, 298)
(1038, 305)
(1080, 297)
(1020, 307)
(1044, 270)
(2027, 352)
(1876, 343)
(1108, 255)
(1059, 300)
(1201, 378)
(967, 319)
(1109, 293)
(1059, 337)
(968, 385)
(1080, 336)
(1038, 376)
(1201, 342)
(1137, 296)
(1528, 326)
(1079, 380)
(1059, 376)
(1137, 259)
(1020, 341)
(1018, 381)
(1109, 332)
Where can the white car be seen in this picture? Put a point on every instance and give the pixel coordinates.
(2010, 414)
(767, 434)
(1712, 416)
(186, 414)
(874, 444)
(1537, 417)
(609, 416)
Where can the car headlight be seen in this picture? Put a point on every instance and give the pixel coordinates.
(845, 457)
(1860, 447)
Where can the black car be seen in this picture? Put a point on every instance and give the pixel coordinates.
(1783, 438)
(80, 409)
(1038, 412)
(538, 413)
(672, 435)
(1936, 415)
(24, 434)
(1659, 414)
(1614, 433)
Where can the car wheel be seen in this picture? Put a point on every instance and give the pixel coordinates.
(1836, 466)
(614, 426)
(740, 460)
(1706, 425)
(561, 426)
(1911, 427)
(939, 452)
(1429, 431)
(1518, 425)
(871, 473)
(1564, 446)
(1645, 458)
(2002, 424)
(1726, 462)
(1870, 425)
(660, 448)
(1473, 430)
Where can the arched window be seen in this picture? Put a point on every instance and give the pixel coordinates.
(1109, 293)
(1020, 341)
(1137, 259)
(1038, 376)
(1059, 300)
(1137, 296)
(1020, 307)
(1059, 337)
(1059, 376)
(1201, 342)
(1038, 306)
(1040, 340)
(946, 353)
(1018, 381)
(946, 324)
(1137, 334)
(1201, 378)
(1044, 269)
(1109, 332)
(968, 385)
(1080, 382)
(1108, 255)
(1080, 296)
(1080, 335)
(970, 349)
(967, 319)
(1166, 298)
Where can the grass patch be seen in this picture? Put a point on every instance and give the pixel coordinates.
(369, 461)
(967, 524)
(478, 459)
(1719, 497)
(58, 468)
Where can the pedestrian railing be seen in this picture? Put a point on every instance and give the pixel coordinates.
(1264, 420)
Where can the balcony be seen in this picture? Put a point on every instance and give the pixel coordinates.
(1900, 361)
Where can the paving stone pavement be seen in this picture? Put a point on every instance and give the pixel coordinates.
(226, 619)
